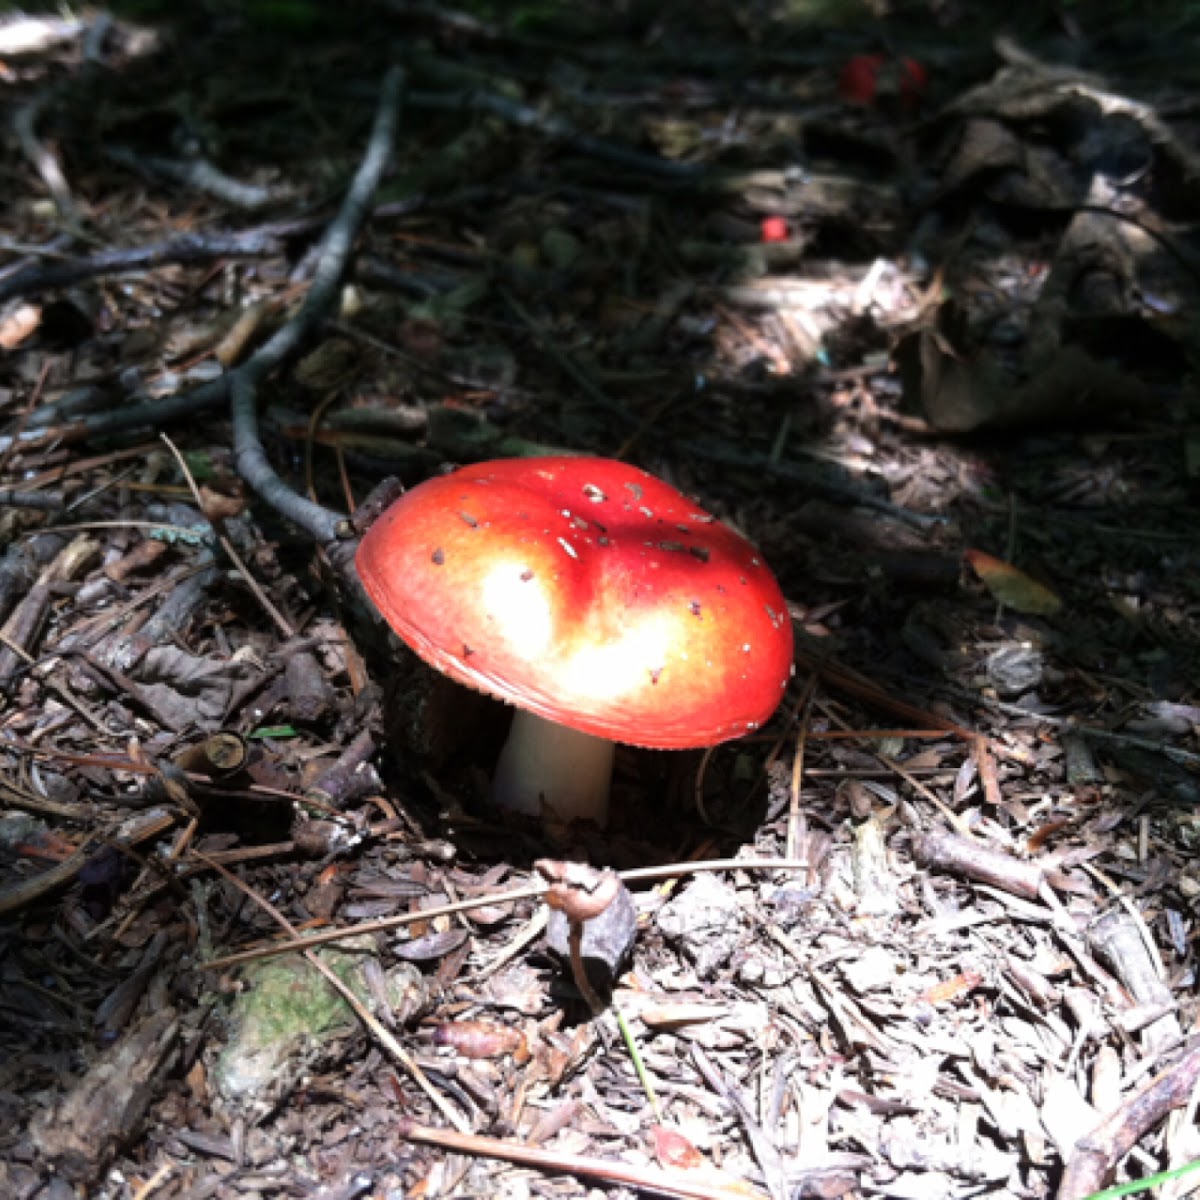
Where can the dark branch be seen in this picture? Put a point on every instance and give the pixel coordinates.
(188, 248)
(240, 386)
(197, 174)
(559, 129)
(249, 455)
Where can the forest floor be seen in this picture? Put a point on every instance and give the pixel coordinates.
(909, 302)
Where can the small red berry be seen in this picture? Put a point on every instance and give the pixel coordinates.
(774, 229)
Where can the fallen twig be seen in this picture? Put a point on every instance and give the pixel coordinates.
(816, 479)
(47, 501)
(186, 248)
(28, 891)
(945, 852)
(1185, 758)
(25, 119)
(24, 126)
(559, 129)
(25, 621)
(196, 173)
(1096, 1156)
(249, 455)
(654, 1179)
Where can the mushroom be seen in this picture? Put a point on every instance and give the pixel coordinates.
(599, 601)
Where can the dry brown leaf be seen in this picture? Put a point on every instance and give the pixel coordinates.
(480, 1039)
(951, 989)
(1011, 586)
(672, 1149)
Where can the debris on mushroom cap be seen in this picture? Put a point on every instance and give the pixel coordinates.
(588, 592)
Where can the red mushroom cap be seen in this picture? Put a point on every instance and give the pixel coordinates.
(589, 592)
(857, 80)
(867, 79)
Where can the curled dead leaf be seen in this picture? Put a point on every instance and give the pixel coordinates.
(951, 989)
(672, 1149)
(481, 1039)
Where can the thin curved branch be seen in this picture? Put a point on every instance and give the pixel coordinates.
(249, 455)
(254, 467)
(559, 130)
(198, 174)
(25, 119)
(334, 250)
(43, 159)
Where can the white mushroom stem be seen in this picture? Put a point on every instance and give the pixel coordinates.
(546, 763)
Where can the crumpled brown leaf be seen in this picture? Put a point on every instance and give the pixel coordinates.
(188, 691)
